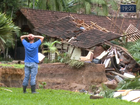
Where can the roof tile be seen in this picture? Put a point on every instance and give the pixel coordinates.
(42, 17)
(92, 38)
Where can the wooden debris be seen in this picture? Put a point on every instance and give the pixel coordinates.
(126, 92)
(135, 99)
(96, 97)
(99, 27)
(119, 74)
(109, 69)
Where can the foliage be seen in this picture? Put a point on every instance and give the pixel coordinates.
(101, 7)
(46, 60)
(75, 63)
(79, 6)
(133, 83)
(56, 5)
(7, 28)
(134, 50)
(63, 58)
(137, 2)
(51, 47)
(106, 92)
(9, 6)
(42, 85)
(54, 97)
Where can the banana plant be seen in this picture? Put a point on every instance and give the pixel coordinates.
(51, 47)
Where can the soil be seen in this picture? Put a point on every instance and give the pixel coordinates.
(59, 76)
(62, 76)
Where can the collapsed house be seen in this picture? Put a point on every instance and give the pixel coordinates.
(83, 36)
(74, 39)
(30, 19)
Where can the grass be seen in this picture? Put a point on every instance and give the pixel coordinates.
(19, 66)
(54, 97)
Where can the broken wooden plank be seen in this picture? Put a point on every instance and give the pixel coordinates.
(109, 69)
(99, 27)
(118, 74)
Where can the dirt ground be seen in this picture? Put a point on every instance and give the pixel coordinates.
(58, 76)
(61, 76)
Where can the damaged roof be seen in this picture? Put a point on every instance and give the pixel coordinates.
(63, 28)
(92, 38)
(42, 17)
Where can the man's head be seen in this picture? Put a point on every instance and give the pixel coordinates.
(30, 37)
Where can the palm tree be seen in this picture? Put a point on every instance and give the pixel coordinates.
(6, 32)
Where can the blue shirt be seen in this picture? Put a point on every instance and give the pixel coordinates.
(31, 51)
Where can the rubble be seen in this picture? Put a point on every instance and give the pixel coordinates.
(119, 64)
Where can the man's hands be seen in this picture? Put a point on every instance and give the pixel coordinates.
(31, 37)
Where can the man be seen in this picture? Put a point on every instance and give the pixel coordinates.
(31, 60)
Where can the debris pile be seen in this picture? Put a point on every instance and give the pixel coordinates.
(119, 64)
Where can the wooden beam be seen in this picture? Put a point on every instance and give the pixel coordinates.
(72, 51)
(118, 74)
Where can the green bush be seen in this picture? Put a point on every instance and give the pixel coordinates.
(134, 50)
(75, 63)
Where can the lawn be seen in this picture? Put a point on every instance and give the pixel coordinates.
(53, 97)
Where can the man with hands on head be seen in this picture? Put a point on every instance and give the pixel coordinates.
(31, 60)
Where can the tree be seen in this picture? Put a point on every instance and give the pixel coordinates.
(102, 7)
(9, 6)
(80, 6)
(7, 28)
(57, 5)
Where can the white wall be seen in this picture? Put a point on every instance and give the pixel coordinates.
(76, 53)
